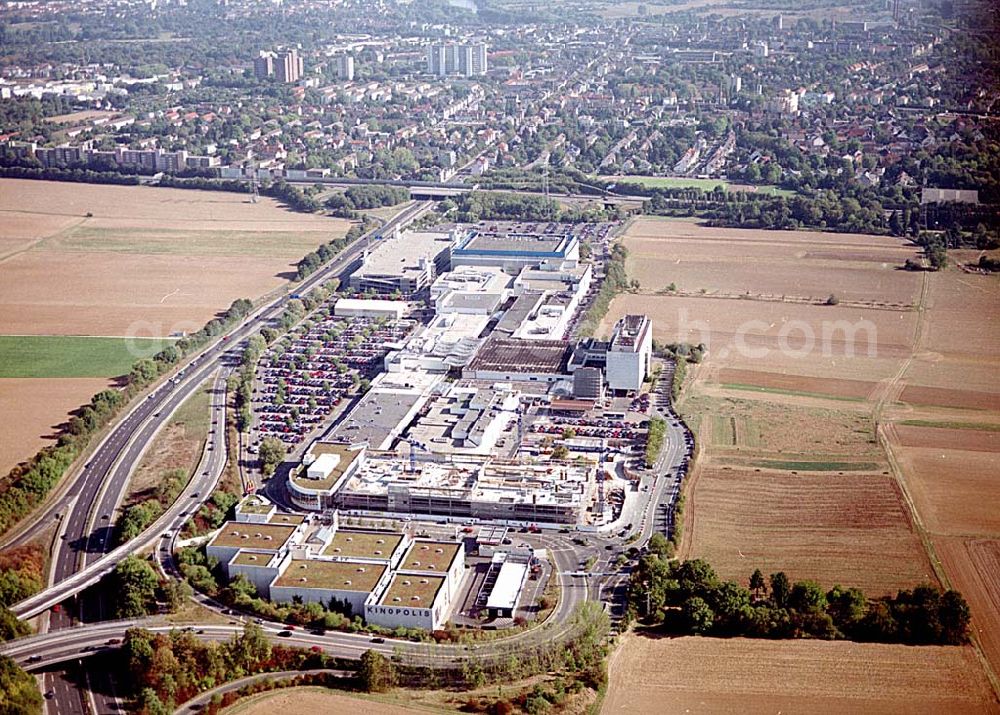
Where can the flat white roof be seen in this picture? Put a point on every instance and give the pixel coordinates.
(395, 306)
(325, 463)
(400, 255)
(508, 586)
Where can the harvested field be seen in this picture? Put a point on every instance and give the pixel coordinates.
(796, 383)
(32, 409)
(148, 262)
(850, 529)
(761, 332)
(778, 264)
(956, 492)
(963, 311)
(760, 676)
(20, 231)
(972, 566)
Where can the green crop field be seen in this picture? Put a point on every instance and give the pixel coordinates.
(679, 182)
(72, 356)
(949, 424)
(667, 182)
(165, 241)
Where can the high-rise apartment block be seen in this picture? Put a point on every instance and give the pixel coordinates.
(450, 59)
(345, 68)
(286, 65)
(263, 65)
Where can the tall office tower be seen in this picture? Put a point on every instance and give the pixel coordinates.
(629, 353)
(263, 65)
(345, 68)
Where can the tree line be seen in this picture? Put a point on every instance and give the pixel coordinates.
(166, 669)
(19, 693)
(76, 175)
(140, 591)
(615, 281)
(358, 198)
(314, 260)
(687, 597)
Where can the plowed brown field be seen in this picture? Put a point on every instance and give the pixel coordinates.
(797, 383)
(849, 528)
(705, 675)
(971, 440)
(955, 492)
(957, 398)
(973, 565)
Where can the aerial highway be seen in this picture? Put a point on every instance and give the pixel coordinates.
(81, 557)
(44, 650)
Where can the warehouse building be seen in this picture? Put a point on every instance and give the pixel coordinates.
(320, 581)
(512, 359)
(514, 251)
(362, 308)
(264, 538)
(422, 592)
(386, 577)
(406, 262)
(475, 290)
(504, 582)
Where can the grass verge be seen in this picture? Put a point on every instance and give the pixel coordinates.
(949, 424)
(805, 466)
(793, 393)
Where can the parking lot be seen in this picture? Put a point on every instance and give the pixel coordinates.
(304, 377)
